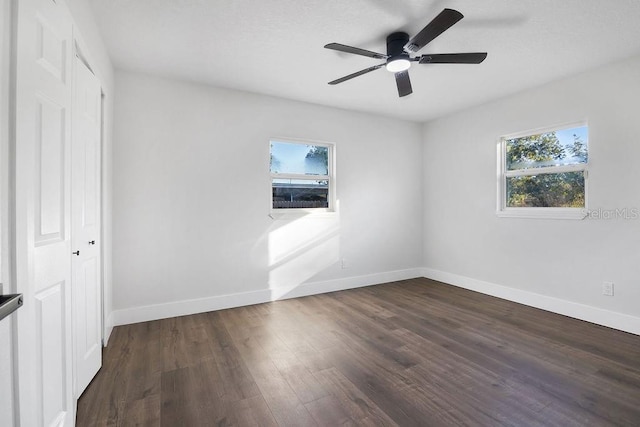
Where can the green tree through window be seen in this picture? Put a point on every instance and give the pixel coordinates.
(542, 171)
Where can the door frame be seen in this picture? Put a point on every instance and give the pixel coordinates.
(7, 102)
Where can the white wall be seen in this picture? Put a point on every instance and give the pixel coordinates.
(557, 264)
(191, 200)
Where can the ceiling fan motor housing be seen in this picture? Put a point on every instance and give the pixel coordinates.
(395, 46)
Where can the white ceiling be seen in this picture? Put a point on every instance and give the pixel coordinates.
(275, 47)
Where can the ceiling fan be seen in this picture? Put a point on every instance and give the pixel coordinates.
(400, 48)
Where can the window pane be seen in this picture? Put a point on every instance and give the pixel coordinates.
(560, 147)
(300, 159)
(554, 190)
(300, 193)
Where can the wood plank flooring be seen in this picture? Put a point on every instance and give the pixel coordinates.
(409, 353)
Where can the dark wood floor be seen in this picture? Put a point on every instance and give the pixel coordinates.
(415, 352)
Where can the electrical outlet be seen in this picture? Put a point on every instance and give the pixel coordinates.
(607, 289)
(344, 263)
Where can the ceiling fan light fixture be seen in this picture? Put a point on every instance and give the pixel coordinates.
(397, 64)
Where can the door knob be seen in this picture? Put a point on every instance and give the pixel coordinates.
(76, 253)
(92, 242)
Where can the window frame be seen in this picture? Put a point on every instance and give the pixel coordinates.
(330, 177)
(539, 212)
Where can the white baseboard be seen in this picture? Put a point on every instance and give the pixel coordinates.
(611, 319)
(591, 314)
(182, 308)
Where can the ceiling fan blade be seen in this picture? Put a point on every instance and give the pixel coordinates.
(404, 83)
(355, 50)
(453, 58)
(439, 25)
(359, 73)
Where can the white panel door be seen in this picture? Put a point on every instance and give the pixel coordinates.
(42, 212)
(85, 226)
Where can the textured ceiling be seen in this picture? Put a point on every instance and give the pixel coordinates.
(275, 47)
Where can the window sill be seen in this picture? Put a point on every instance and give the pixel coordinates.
(543, 213)
(293, 214)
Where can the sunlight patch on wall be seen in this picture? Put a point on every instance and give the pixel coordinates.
(301, 249)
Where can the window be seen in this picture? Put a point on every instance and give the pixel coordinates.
(543, 174)
(301, 176)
